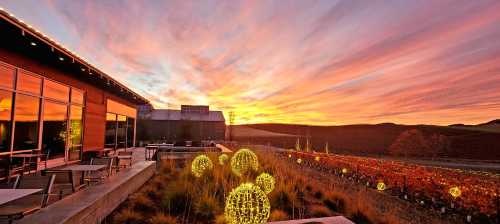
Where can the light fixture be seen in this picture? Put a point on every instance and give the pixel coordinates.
(83, 69)
(33, 44)
(61, 59)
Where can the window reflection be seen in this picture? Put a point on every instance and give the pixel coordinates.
(56, 91)
(110, 138)
(130, 131)
(76, 96)
(7, 77)
(76, 130)
(54, 129)
(26, 125)
(122, 131)
(28, 83)
(5, 120)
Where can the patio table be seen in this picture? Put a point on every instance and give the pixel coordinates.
(8, 195)
(84, 169)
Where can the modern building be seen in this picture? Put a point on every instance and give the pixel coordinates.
(190, 123)
(53, 101)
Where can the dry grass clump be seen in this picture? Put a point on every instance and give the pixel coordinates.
(278, 215)
(175, 195)
(128, 216)
(161, 218)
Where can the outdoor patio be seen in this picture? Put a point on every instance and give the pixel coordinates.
(89, 200)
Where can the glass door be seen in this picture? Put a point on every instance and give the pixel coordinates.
(54, 135)
(76, 131)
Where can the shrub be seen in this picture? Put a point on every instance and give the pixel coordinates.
(278, 215)
(206, 208)
(360, 218)
(318, 194)
(128, 216)
(143, 203)
(160, 218)
(319, 211)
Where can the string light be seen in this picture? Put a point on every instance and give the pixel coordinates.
(247, 204)
(200, 165)
(243, 161)
(299, 160)
(316, 158)
(289, 155)
(266, 182)
(223, 159)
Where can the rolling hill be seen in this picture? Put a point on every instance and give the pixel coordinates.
(466, 141)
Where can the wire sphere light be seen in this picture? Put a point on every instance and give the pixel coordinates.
(455, 192)
(223, 159)
(200, 165)
(266, 182)
(381, 186)
(243, 161)
(247, 204)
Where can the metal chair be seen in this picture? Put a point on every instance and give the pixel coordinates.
(65, 180)
(125, 160)
(98, 176)
(17, 209)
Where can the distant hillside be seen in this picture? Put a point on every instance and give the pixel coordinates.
(469, 142)
(492, 126)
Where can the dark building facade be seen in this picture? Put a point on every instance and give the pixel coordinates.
(52, 101)
(191, 123)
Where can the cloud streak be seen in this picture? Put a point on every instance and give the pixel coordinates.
(314, 62)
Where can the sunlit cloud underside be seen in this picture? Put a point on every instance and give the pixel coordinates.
(312, 62)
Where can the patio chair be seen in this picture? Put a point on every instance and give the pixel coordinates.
(17, 209)
(127, 161)
(11, 184)
(32, 163)
(99, 176)
(64, 181)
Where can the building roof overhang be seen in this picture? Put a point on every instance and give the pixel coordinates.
(23, 38)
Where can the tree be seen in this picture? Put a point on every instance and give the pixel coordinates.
(409, 143)
(438, 144)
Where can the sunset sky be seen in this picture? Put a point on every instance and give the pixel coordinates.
(310, 62)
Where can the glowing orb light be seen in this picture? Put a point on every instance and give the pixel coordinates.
(289, 155)
(247, 204)
(316, 158)
(299, 160)
(455, 192)
(344, 170)
(266, 182)
(381, 186)
(223, 159)
(200, 165)
(244, 161)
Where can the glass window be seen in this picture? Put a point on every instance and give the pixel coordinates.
(130, 131)
(7, 77)
(28, 83)
(54, 129)
(56, 91)
(110, 139)
(118, 108)
(76, 131)
(26, 122)
(122, 131)
(5, 120)
(76, 96)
